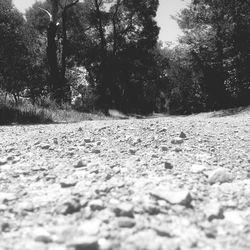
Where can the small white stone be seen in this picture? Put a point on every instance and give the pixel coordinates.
(90, 227)
(197, 168)
(146, 240)
(25, 206)
(234, 217)
(104, 244)
(180, 197)
(220, 175)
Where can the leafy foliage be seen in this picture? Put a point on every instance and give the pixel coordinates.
(114, 42)
(216, 40)
(21, 60)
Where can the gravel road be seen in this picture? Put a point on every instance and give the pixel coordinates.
(168, 183)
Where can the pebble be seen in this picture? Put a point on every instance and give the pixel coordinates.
(168, 165)
(104, 244)
(164, 148)
(234, 217)
(197, 168)
(96, 151)
(136, 141)
(162, 230)
(3, 207)
(5, 197)
(180, 197)
(42, 235)
(80, 164)
(214, 211)
(88, 140)
(31, 245)
(3, 161)
(178, 150)
(11, 158)
(220, 175)
(124, 209)
(151, 208)
(145, 240)
(132, 151)
(183, 135)
(96, 205)
(90, 227)
(55, 141)
(177, 141)
(4, 226)
(45, 146)
(126, 222)
(26, 206)
(83, 243)
(69, 182)
(69, 207)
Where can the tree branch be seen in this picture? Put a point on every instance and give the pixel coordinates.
(71, 4)
(50, 16)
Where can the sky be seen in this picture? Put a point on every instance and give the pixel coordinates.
(169, 29)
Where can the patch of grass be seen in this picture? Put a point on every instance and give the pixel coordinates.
(69, 115)
(45, 112)
(23, 114)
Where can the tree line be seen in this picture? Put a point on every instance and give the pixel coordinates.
(116, 42)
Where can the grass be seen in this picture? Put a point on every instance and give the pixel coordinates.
(26, 113)
(22, 114)
(71, 116)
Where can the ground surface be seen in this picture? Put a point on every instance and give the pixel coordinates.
(127, 184)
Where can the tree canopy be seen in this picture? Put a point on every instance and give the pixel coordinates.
(115, 43)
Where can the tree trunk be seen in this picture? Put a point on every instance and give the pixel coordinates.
(103, 81)
(65, 87)
(54, 76)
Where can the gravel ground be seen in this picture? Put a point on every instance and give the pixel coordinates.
(168, 183)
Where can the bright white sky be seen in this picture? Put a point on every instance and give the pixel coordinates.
(169, 28)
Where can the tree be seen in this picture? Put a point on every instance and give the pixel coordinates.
(14, 50)
(56, 41)
(217, 35)
(115, 41)
(119, 54)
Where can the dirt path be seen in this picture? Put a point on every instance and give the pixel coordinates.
(127, 184)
